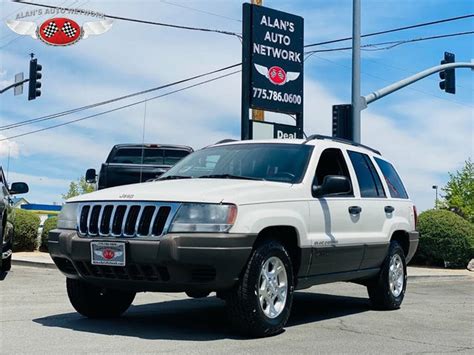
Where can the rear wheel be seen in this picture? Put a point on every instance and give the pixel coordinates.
(388, 289)
(261, 303)
(95, 302)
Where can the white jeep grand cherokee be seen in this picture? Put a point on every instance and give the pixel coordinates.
(253, 221)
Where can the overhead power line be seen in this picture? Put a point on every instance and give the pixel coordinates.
(121, 107)
(389, 45)
(201, 11)
(394, 30)
(82, 108)
(122, 18)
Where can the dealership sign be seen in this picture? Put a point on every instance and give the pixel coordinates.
(276, 60)
(272, 57)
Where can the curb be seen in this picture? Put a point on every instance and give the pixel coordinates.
(34, 264)
(439, 277)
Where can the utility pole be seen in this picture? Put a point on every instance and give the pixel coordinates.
(356, 99)
(435, 187)
(258, 115)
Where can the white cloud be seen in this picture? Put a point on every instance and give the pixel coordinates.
(8, 148)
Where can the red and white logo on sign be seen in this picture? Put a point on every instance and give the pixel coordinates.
(277, 75)
(108, 254)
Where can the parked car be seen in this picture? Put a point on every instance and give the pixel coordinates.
(135, 163)
(253, 221)
(6, 218)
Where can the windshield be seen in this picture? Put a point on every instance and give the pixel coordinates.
(272, 162)
(147, 156)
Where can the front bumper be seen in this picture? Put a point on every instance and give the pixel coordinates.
(413, 238)
(173, 263)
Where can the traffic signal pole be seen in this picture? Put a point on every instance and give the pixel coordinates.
(376, 95)
(356, 100)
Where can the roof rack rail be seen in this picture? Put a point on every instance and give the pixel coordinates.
(228, 140)
(340, 140)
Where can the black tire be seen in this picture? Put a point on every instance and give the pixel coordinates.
(95, 302)
(197, 294)
(7, 263)
(379, 289)
(243, 304)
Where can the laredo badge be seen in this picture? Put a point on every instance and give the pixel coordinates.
(59, 31)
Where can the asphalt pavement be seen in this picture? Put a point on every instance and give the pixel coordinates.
(437, 316)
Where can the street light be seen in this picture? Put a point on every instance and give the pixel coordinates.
(435, 187)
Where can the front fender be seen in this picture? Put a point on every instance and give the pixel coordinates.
(255, 218)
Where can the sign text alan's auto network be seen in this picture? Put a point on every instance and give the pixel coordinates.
(275, 59)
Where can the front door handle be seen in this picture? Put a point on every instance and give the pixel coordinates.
(355, 210)
(389, 209)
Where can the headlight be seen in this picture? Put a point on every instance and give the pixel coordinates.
(197, 217)
(67, 219)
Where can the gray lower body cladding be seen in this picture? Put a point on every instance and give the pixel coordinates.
(173, 263)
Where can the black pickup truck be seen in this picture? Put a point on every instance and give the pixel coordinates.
(135, 163)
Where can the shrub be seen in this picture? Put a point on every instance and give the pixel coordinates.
(49, 224)
(445, 239)
(26, 226)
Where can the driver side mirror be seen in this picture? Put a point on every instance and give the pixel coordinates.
(333, 185)
(19, 188)
(91, 176)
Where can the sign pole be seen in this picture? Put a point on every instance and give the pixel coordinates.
(258, 115)
(245, 99)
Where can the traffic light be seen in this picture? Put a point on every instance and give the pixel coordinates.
(448, 76)
(34, 83)
(342, 121)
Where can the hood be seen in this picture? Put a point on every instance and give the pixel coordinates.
(195, 190)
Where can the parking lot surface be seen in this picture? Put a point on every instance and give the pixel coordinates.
(437, 316)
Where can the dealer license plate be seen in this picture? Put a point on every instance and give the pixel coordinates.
(108, 253)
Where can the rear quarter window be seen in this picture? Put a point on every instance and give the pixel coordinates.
(394, 183)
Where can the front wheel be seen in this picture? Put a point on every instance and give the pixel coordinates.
(95, 302)
(261, 303)
(388, 289)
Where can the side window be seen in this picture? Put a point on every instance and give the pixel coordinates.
(331, 162)
(369, 181)
(394, 183)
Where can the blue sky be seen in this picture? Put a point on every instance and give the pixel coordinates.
(425, 131)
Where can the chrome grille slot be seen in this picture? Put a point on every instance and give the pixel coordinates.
(83, 219)
(125, 219)
(145, 220)
(160, 220)
(132, 217)
(117, 220)
(104, 228)
(93, 225)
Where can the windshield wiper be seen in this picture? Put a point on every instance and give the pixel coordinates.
(229, 176)
(174, 177)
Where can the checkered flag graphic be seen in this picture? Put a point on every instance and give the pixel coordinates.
(50, 30)
(69, 30)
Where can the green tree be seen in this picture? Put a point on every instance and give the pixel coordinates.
(79, 187)
(459, 192)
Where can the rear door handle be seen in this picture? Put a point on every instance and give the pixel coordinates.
(355, 210)
(389, 209)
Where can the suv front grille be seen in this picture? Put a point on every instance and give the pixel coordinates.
(125, 219)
